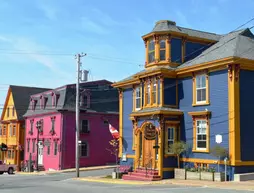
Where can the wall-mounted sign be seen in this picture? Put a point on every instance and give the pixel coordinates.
(124, 157)
(218, 139)
(150, 132)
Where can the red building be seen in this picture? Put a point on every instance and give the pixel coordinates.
(50, 122)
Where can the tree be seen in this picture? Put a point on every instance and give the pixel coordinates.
(219, 152)
(178, 148)
(114, 148)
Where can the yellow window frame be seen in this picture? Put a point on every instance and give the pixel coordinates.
(162, 49)
(174, 125)
(194, 91)
(151, 51)
(198, 116)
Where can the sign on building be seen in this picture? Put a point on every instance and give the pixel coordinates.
(218, 139)
(150, 132)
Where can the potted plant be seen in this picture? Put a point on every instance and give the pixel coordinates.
(178, 148)
(193, 173)
(219, 152)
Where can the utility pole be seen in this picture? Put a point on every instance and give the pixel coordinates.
(77, 57)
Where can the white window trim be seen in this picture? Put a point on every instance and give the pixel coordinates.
(148, 94)
(205, 122)
(154, 91)
(203, 101)
(139, 88)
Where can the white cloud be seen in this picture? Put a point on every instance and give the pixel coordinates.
(32, 50)
(90, 25)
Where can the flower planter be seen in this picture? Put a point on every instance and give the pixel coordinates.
(180, 173)
(219, 176)
(192, 175)
(207, 176)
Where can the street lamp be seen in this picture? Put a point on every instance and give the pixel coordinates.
(38, 127)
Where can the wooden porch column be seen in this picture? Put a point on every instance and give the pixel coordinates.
(161, 145)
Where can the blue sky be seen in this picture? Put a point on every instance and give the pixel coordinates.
(109, 31)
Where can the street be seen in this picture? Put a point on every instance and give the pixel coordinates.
(63, 183)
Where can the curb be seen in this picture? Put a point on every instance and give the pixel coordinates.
(66, 171)
(99, 180)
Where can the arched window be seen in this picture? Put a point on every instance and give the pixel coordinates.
(162, 50)
(151, 51)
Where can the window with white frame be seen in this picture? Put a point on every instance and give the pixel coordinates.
(154, 92)
(201, 134)
(148, 94)
(170, 137)
(138, 98)
(201, 88)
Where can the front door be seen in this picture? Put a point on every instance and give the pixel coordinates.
(148, 158)
(40, 153)
(150, 142)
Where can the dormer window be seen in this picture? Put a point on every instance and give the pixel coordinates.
(151, 51)
(45, 100)
(54, 99)
(41, 102)
(33, 102)
(162, 50)
(85, 99)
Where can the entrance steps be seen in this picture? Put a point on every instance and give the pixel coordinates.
(142, 174)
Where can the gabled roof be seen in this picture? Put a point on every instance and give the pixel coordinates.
(21, 98)
(236, 44)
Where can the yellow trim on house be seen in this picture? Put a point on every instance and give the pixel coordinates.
(130, 156)
(194, 90)
(199, 113)
(168, 169)
(120, 122)
(206, 161)
(234, 113)
(179, 35)
(161, 153)
(134, 114)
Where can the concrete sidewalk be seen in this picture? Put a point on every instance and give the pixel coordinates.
(196, 183)
(66, 170)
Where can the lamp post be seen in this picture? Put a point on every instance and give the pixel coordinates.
(38, 125)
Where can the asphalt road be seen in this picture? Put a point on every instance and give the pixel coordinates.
(63, 183)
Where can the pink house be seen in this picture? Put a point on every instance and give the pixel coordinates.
(50, 122)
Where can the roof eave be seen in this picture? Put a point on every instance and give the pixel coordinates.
(178, 34)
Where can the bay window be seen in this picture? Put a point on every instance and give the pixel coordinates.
(162, 50)
(151, 51)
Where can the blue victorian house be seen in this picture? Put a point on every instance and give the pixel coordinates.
(196, 87)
